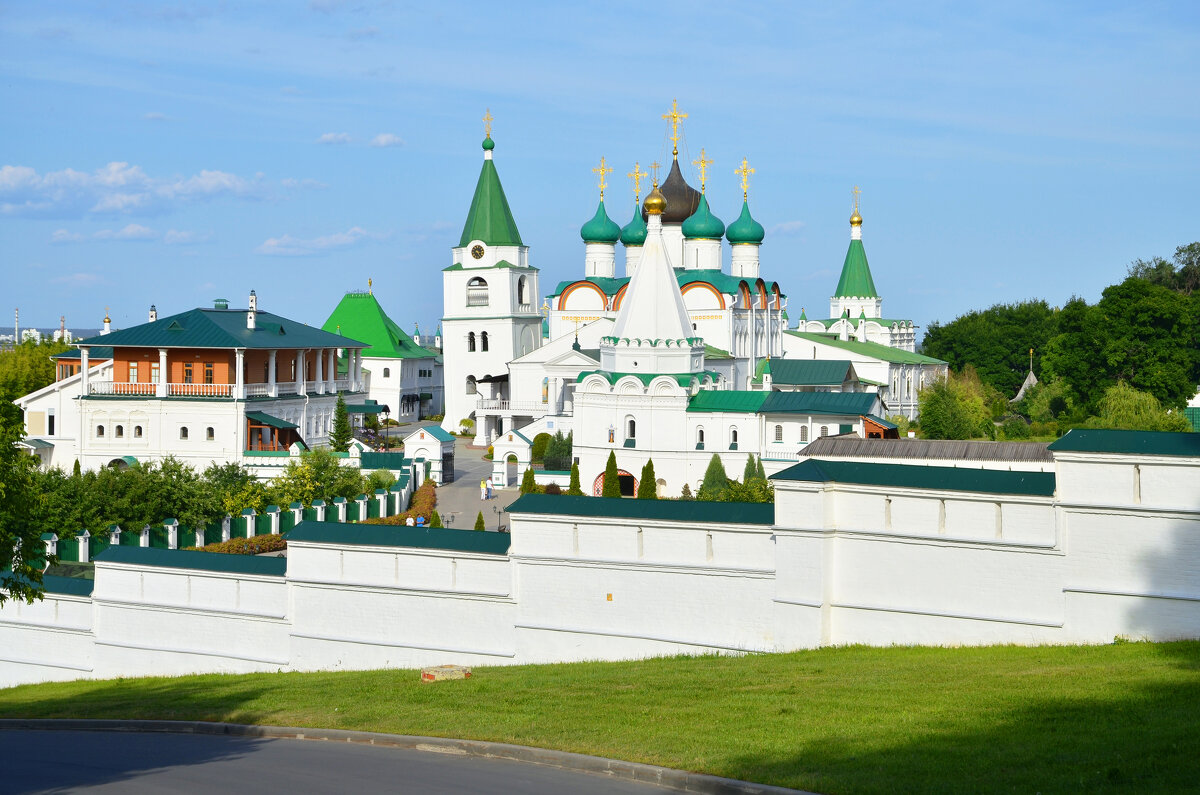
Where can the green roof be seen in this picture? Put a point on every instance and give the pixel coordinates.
(654, 510)
(370, 407)
(711, 352)
(383, 461)
(201, 561)
(222, 328)
(702, 224)
(683, 379)
(33, 443)
(601, 228)
(634, 233)
(873, 349)
(95, 352)
(359, 315)
(875, 418)
(805, 372)
(266, 419)
(883, 321)
(725, 284)
(987, 481)
(856, 281)
(1096, 440)
(436, 432)
(758, 402)
(70, 586)
(383, 535)
(489, 218)
(745, 229)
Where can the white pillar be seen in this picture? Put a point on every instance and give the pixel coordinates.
(160, 389)
(319, 375)
(301, 386)
(83, 365)
(332, 354)
(172, 534)
(272, 389)
(85, 546)
(239, 379)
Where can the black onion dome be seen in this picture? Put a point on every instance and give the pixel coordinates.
(682, 198)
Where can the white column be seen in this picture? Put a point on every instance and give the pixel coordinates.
(160, 389)
(333, 369)
(272, 389)
(300, 385)
(358, 378)
(239, 389)
(319, 375)
(83, 364)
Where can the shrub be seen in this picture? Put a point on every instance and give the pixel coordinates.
(529, 483)
(380, 479)
(612, 480)
(686, 492)
(466, 424)
(574, 490)
(1015, 427)
(479, 522)
(490, 453)
(539, 447)
(559, 452)
(715, 481)
(422, 503)
(436, 520)
(255, 545)
(648, 485)
(552, 488)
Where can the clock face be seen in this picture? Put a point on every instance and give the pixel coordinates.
(477, 251)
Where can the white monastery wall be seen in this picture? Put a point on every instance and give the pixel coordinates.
(46, 641)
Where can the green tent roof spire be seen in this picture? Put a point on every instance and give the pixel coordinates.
(490, 218)
(856, 281)
(362, 318)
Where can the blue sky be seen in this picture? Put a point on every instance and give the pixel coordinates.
(171, 153)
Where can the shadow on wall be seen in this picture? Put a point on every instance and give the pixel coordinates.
(1169, 570)
(1114, 736)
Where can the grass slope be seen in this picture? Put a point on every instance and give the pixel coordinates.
(855, 719)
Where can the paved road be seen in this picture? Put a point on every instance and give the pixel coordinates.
(70, 761)
(459, 503)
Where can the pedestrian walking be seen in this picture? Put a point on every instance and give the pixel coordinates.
(490, 495)
(483, 490)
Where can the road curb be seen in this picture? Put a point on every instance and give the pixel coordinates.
(679, 780)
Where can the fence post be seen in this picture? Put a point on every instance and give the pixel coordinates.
(172, 526)
(198, 536)
(319, 507)
(144, 537)
(51, 542)
(362, 506)
(273, 513)
(297, 509)
(340, 504)
(85, 545)
(248, 515)
(114, 535)
(381, 496)
(226, 527)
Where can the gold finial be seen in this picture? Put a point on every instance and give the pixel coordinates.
(703, 165)
(546, 307)
(487, 123)
(744, 172)
(106, 318)
(675, 116)
(855, 218)
(369, 286)
(602, 170)
(636, 175)
(655, 166)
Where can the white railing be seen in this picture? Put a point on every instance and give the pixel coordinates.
(121, 388)
(525, 308)
(342, 385)
(258, 390)
(200, 390)
(477, 296)
(286, 388)
(532, 407)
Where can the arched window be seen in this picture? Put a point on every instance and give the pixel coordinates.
(630, 428)
(471, 342)
(183, 432)
(120, 432)
(908, 386)
(477, 292)
(100, 431)
(483, 340)
(522, 291)
(210, 434)
(387, 372)
(779, 433)
(733, 442)
(803, 433)
(824, 430)
(137, 431)
(699, 438)
(471, 388)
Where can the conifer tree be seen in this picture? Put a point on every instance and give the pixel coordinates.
(435, 520)
(686, 493)
(762, 473)
(528, 483)
(750, 471)
(76, 471)
(715, 481)
(340, 436)
(479, 522)
(612, 480)
(574, 489)
(648, 487)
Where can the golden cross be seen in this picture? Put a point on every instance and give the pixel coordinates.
(369, 284)
(602, 169)
(655, 166)
(636, 175)
(703, 165)
(487, 123)
(744, 172)
(675, 116)
(856, 191)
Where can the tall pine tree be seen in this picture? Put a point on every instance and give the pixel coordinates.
(648, 487)
(715, 481)
(612, 480)
(340, 436)
(574, 489)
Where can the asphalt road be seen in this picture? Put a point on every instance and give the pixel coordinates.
(72, 761)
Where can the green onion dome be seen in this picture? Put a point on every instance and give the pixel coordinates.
(489, 144)
(702, 224)
(745, 229)
(634, 233)
(601, 229)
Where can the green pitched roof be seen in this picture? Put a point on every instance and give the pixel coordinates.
(202, 561)
(856, 281)
(662, 510)
(909, 476)
(382, 535)
(805, 372)
(222, 328)
(1097, 440)
(359, 315)
(489, 218)
(872, 349)
(94, 352)
(683, 379)
(756, 402)
(436, 432)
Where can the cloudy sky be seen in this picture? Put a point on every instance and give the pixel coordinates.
(172, 153)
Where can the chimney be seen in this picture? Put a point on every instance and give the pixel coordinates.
(252, 314)
(153, 313)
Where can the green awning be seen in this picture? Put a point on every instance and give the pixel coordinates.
(426, 396)
(36, 444)
(128, 459)
(367, 408)
(261, 418)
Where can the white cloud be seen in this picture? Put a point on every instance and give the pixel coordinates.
(787, 228)
(120, 188)
(63, 236)
(128, 232)
(334, 138)
(288, 246)
(180, 237)
(387, 139)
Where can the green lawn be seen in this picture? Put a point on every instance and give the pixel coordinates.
(1123, 717)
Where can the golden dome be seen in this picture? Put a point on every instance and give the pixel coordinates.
(856, 219)
(655, 203)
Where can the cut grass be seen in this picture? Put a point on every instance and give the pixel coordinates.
(855, 719)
